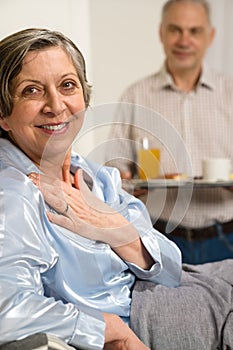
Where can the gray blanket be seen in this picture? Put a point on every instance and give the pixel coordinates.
(198, 315)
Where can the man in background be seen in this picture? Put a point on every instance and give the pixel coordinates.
(193, 117)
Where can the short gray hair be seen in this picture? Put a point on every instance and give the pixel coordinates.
(203, 3)
(15, 47)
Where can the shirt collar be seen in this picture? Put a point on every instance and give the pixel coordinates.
(10, 155)
(206, 79)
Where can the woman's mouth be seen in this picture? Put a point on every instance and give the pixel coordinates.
(54, 128)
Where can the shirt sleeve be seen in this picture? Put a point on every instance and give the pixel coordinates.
(26, 255)
(165, 253)
(167, 256)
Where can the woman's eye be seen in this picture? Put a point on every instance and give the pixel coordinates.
(30, 90)
(68, 85)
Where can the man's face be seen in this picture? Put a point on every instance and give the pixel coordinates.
(186, 34)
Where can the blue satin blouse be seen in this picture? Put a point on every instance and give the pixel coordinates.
(55, 281)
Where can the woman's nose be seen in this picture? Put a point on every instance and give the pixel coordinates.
(54, 104)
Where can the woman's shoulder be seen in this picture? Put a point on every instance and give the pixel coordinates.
(14, 179)
(18, 190)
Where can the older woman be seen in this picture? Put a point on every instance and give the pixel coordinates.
(80, 259)
(73, 282)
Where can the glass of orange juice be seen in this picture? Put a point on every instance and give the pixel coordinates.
(148, 161)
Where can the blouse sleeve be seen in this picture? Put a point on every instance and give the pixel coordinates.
(26, 255)
(167, 256)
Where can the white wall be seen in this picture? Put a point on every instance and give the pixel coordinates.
(69, 16)
(124, 42)
(220, 54)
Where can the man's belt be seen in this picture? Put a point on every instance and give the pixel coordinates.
(196, 234)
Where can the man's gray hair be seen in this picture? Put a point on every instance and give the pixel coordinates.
(204, 3)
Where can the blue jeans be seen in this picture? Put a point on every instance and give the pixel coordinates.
(208, 250)
(198, 250)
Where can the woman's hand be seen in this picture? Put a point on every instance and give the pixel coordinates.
(82, 212)
(118, 336)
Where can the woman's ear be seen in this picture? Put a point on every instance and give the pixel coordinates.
(3, 123)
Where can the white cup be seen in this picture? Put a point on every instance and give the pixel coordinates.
(216, 169)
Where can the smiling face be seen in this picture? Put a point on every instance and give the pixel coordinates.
(48, 104)
(186, 34)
